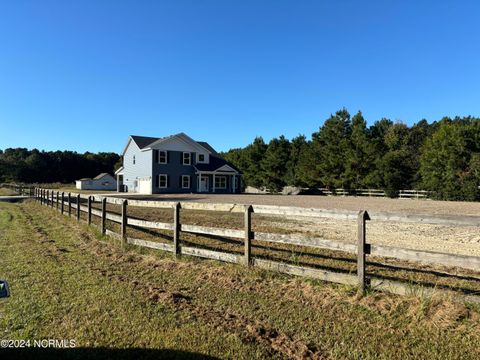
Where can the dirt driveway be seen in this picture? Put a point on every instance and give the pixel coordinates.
(411, 206)
(449, 239)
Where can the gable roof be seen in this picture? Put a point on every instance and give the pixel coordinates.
(143, 141)
(208, 147)
(99, 176)
(216, 163)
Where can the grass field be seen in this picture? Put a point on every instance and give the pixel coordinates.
(6, 192)
(67, 282)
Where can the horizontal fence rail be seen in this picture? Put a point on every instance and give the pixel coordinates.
(406, 194)
(72, 204)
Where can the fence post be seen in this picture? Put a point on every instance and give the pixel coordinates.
(52, 199)
(123, 231)
(69, 204)
(56, 202)
(363, 249)
(104, 215)
(248, 234)
(89, 215)
(176, 229)
(62, 205)
(78, 207)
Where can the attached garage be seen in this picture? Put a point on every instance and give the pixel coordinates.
(145, 185)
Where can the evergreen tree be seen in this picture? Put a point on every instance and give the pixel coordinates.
(361, 154)
(448, 164)
(297, 146)
(331, 143)
(274, 164)
(254, 153)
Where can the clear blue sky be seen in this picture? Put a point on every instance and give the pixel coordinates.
(83, 75)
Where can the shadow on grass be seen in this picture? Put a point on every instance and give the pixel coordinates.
(99, 353)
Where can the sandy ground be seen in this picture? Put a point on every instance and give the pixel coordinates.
(447, 239)
(411, 206)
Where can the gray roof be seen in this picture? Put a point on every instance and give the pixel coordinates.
(207, 146)
(215, 163)
(144, 141)
(99, 176)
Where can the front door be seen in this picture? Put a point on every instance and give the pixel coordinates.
(204, 183)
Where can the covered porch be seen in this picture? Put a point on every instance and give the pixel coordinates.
(222, 182)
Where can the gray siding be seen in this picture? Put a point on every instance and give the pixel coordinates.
(228, 190)
(141, 168)
(175, 169)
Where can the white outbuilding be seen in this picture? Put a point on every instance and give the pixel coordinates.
(104, 181)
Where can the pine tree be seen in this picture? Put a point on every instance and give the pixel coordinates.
(331, 143)
(361, 155)
(274, 164)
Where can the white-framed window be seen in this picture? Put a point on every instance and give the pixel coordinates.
(185, 181)
(186, 158)
(162, 157)
(162, 181)
(220, 182)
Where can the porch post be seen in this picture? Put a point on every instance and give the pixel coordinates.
(213, 185)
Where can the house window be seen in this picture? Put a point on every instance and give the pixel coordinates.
(201, 157)
(186, 158)
(220, 182)
(185, 182)
(162, 181)
(133, 159)
(162, 157)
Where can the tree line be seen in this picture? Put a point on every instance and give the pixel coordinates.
(442, 157)
(34, 166)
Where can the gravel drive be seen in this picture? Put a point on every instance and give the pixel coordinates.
(448, 239)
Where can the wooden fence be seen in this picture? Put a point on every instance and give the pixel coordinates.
(20, 189)
(403, 194)
(71, 204)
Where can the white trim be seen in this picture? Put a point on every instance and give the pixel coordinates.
(119, 170)
(166, 156)
(219, 173)
(204, 161)
(189, 158)
(159, 182)
(226, 168)
(187, 177)
(207, 182)
(182, 137)
(219, 177)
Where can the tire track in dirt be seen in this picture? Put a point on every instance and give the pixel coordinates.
(248, 330)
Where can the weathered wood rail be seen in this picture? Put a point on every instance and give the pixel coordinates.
(20, 188)
(71, 204)
(402, 194)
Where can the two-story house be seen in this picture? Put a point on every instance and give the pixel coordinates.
(175, 164)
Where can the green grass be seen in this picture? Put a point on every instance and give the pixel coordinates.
(6, 192)
(67, 282)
